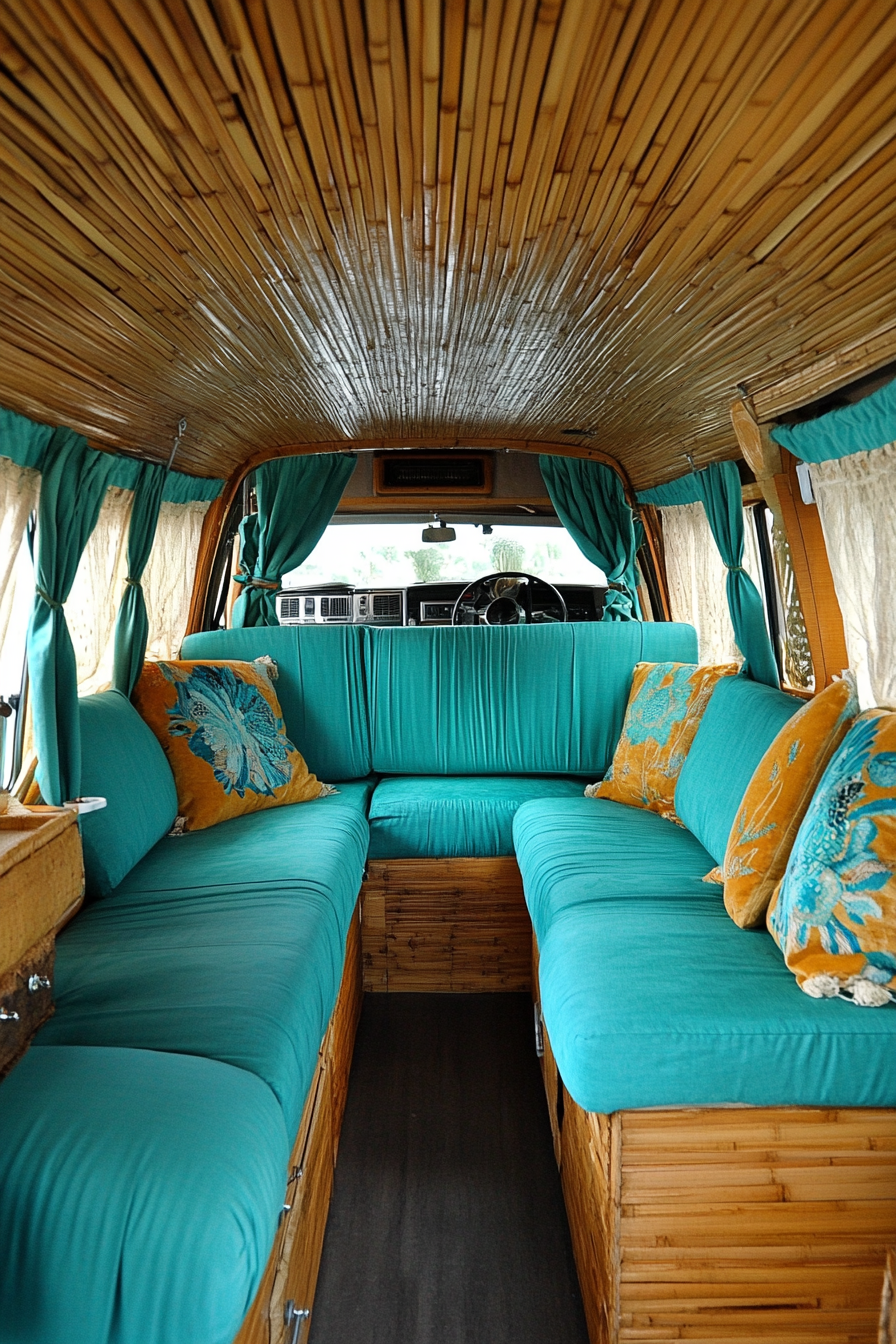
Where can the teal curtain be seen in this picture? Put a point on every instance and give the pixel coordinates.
(590, 502)
(297, 497)
(132, 623)
(868, 424)
(74, 482)
(718, 489)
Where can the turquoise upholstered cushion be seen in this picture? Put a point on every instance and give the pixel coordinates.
(122, 762)
(320, 686)
(575, 851)
(739, 724)
(139, 1195)
(516, 700)
(450, 817)
(227, 943)
(652, 1002)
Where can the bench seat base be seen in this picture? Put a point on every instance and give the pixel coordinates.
(737, 1223)
(445, 925)
(291, 1272)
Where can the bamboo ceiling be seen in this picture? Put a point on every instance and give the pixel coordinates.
(304, 220)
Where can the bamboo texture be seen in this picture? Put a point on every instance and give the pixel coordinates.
(314, 221)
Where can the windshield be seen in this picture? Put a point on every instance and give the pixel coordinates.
(383, 555)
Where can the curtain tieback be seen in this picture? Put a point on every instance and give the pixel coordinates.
(735, 569)
(50, 601)
(255, 583)
(132, 583)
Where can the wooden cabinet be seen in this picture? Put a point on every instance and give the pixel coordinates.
(41, 887)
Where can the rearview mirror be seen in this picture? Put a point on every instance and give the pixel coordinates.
(438, 532)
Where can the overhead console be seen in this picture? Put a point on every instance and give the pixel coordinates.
(422, 604)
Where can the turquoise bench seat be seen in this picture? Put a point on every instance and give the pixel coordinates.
(140, 1197)
(227, 943)
(652, 1002)
(450, 817)
(573, 851)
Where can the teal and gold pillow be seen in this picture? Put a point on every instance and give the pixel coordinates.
(665, 707)
(777, 797)
(834, 912)
(222, 729)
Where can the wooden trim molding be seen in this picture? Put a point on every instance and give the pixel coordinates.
(812, 570)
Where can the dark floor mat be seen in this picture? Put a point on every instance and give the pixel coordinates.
(447, 1224)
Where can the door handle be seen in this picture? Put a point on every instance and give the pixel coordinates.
(295, 1317)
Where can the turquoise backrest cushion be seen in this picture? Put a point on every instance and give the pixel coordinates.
(739, 724)
(320, 686)
(121, 761)
(545, 699)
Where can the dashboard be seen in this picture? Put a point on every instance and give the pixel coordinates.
(426, 604)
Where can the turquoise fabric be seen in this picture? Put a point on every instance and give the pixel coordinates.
(575, 851)
(32, 445)
(448, 818)
(74, 481)
(320, 687)
(123, 763)
(132, 623)
(589, 499)
(869, 424)
(139, 1196)
(657, 1002)
(740, 723)
(718, 488)
(297, 497)
(470, 700)
(227, 943)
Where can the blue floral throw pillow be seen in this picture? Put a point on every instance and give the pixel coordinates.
(833, 913)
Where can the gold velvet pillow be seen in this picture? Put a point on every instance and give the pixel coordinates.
(222, 730)
(833, 914)
(777, 798)
(665, 707)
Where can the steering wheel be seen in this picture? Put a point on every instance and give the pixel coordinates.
(504, 599)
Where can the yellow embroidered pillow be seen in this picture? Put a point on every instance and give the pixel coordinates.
(776, 800)
(222, 730)
(665, 707)
(833, 914)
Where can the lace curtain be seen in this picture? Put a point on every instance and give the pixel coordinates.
(168, 577)
(696, 576)
(92, 605)
(855, 497)
(19, 489)
(99, 585)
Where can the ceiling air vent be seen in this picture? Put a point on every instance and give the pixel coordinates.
(432, 473)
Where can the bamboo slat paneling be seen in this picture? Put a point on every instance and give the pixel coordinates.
(301, 221)
(445, 925)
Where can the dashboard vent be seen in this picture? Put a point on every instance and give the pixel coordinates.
(290, 608)
(335, 608)
(448, 473)
(387, 604)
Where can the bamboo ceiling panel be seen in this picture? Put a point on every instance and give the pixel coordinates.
(303, 220)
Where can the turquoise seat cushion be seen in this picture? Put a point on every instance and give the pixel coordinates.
(122, 762)
(575, 851)
(445, 817)
(507, 700)
(227, 943)
(139, 1196)
(652, 1002)
(740, 723)
(320, 686)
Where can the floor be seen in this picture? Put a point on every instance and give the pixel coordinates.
(447, 1224)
